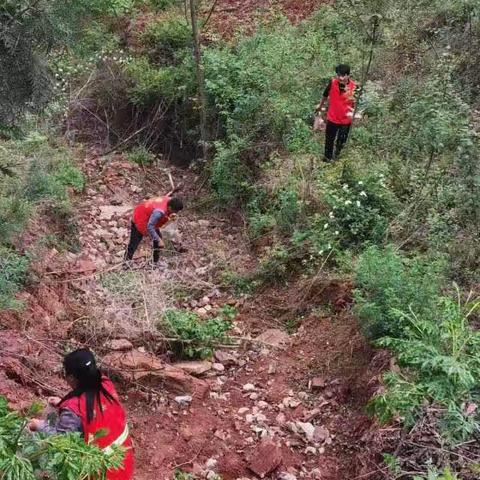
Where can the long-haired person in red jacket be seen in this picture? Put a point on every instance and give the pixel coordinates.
(148, 218)
(340, 94)
(92, 405)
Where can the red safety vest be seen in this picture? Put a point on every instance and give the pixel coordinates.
(142, 213)
(112, 421)
(341, 104)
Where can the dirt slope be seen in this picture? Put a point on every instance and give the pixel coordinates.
(261, 413)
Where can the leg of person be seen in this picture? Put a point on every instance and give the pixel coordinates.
(330, 134)
(135, 239)
(156, 248)
(342, 138)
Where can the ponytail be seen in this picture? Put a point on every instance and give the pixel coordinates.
(81, 365)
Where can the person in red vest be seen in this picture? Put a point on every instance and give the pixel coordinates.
(340, 94)
(148, 218)
(92, 405)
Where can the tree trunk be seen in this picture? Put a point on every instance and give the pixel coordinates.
(200, 78)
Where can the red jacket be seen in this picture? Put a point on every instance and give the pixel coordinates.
(113, 421)
(142, 212)
(341, 104)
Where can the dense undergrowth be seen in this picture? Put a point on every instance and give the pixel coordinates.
(40, 176)
(400, 210)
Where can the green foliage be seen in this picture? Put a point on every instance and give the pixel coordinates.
(400, 305)
(14, 214)
(29, 30)
(13, 270)
(151, 84)
(276, 264)
(181, 475)
(434, 474)
(166, 39)
(388, 284)
(199, 337)
(442, 358)
(41, 175)
(264, 97)
(360, 210)
(65, 457)
(281, 208)
(160, 5)
(229, 176)
(141, 156)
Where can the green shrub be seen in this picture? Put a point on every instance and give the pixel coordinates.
(141, 156)
(359, 210)
(68, 175)
(281, 208)
(13, 270)
(64, 457)
(275, 264)
(160, 5)
(229, 176)
(14, 214)
(441, 358)
(199, 337)
(151, 84)
(166, 38)
(388, 284)
(435, 474)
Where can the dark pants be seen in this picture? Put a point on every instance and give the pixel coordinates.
(135, 239)
(332, 132)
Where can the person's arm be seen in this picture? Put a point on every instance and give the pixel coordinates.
(152, 222)
(326, 93)
(67, 422)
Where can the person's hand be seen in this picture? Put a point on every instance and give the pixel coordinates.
(34, 424)
(161, 243)
(54, 401)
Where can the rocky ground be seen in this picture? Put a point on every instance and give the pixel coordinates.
(276, 405)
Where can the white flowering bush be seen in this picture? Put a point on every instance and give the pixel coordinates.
(359, 211)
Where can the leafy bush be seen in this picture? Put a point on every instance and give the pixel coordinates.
(166, 38)
(141, 156)
(441, 358)
(13, 269)
(388, 284)
(23, 456)
(447, 474)
(280, 208)
(438, 352)
(199, 337)
(359, 210)
(151, 84)
(160, 5)
(229, 176)
(14, 213)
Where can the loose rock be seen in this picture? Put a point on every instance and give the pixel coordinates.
(267, 457)
(120, 344)
(274, 337)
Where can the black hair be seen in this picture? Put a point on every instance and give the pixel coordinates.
(175, 204)
(342, 69)
(81, 365)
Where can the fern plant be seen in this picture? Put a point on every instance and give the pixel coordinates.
(198, 336)
(27, 456)
(440, 359)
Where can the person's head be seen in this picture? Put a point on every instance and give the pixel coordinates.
(343, 72)
(83, 375)
(175, 204)
(81, 369)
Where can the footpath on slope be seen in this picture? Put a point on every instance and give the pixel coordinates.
(278, 406)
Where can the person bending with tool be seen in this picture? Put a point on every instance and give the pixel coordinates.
(340, 94)
(148, 218)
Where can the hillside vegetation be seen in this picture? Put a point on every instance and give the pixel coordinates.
(399, 212)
